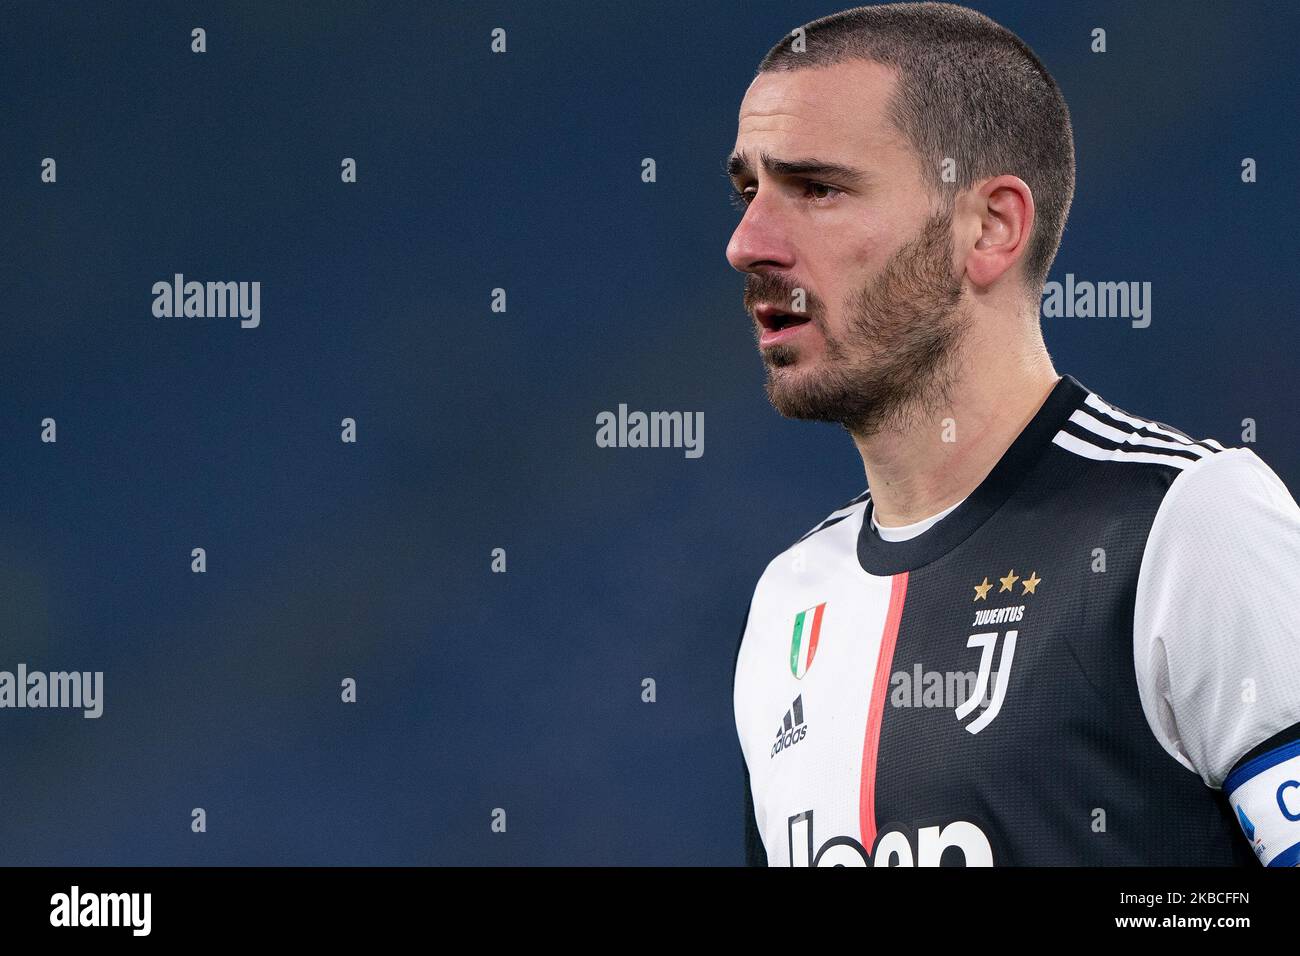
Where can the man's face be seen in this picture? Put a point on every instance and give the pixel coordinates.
(882, 312)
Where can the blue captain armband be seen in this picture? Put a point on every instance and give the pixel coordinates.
(1264, 793)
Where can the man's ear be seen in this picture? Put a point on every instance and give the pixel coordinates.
(1003, 208)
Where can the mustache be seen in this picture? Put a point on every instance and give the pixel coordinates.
(774, 289)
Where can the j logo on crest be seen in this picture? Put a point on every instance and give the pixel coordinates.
(985, 642)
(803, 645)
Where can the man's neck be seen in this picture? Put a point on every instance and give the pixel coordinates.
(939, 457)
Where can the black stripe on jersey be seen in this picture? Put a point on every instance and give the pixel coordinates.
(836, 519)
(1101, 441)
(856, 501)
(1148, 427)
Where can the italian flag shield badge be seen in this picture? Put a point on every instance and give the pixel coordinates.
(803, 645)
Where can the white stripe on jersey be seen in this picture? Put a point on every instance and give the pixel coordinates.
(1098, 427)
(1096, 452)
(1092, 401)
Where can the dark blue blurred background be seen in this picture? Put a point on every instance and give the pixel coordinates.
(476, 429)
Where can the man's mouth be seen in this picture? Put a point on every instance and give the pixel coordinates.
(777, 325)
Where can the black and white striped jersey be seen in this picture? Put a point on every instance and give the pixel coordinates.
(1094, 659)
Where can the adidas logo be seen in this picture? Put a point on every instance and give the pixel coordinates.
(793, 728)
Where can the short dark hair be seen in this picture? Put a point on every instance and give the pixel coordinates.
(968, 89)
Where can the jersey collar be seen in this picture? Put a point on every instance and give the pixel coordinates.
(880, 557)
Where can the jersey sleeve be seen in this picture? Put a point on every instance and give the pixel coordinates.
(1217, 636)
(755, 852)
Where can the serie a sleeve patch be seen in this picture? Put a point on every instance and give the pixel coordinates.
(1265, 796)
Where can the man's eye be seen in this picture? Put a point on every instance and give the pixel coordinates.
(813, 185)
(741, 199)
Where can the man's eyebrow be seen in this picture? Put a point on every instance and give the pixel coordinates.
(738, 165)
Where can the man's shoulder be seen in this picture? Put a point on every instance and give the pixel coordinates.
(1142, 458)
(1193, 494)
(834, 535)
(1101, 431)
(1232, 502)
(854, 506)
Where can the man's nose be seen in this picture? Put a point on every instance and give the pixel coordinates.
(760, 240)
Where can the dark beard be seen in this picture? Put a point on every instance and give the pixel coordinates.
(897, 355)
